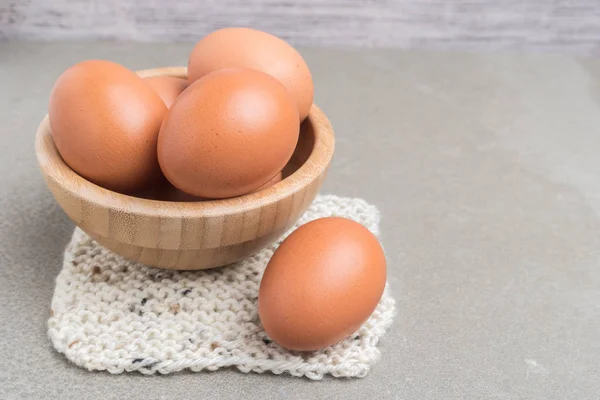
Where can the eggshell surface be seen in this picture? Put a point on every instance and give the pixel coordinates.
(228, 134)
(322, 284)
(167, 87)
(251, 48)
(105, 122)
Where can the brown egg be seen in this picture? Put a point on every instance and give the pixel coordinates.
(250, 48)
(167, 87)
(322, 284)
(228, 134)
(105, 122)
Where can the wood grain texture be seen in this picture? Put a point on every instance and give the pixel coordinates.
(559, 25)
(191, 235)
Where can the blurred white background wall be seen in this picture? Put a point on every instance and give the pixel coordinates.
(552, 25)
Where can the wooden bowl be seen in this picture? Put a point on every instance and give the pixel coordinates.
(191, 235)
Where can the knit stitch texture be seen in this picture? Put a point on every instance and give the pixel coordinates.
(112, 314)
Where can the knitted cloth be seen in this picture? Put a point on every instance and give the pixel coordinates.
(112, 314)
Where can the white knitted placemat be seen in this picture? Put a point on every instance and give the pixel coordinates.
(112, 314)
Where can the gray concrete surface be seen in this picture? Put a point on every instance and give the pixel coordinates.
(487, 173)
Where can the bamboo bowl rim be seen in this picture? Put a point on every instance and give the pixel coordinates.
(56, 169)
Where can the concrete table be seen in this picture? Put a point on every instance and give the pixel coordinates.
(486, 169)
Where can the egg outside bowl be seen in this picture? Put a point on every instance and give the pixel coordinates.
(191, 235)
